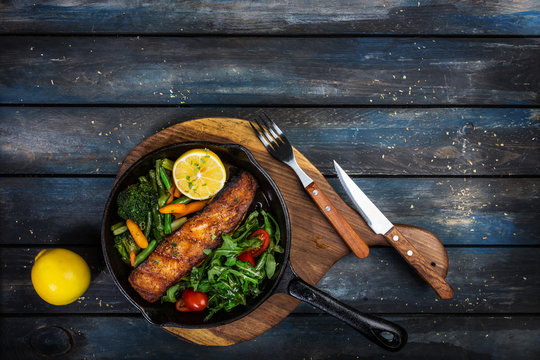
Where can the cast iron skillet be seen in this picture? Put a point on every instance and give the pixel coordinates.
(382, 332)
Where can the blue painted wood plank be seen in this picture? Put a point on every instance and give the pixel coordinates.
(471, 211)
(462, 211)
(52, 211)
(259, 71)
(277, 17)
(372, 141)
(485, 280)
(317, 337)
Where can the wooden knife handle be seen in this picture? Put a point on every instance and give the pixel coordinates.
(419, 263)
(342, 226)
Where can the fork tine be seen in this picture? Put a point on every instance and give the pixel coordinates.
(265, 130)
(278, 146)
(275, 127)
(261, 135)
(270, 126)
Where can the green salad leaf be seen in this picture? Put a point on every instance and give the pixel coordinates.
(227, 281)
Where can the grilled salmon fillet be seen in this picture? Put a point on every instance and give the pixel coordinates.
(176, 255)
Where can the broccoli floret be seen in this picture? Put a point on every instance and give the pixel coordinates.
(136, 201)
(125, 244)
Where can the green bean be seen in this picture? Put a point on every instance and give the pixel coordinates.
(163, 199)
(165, 178)
(148, 224)
(161, 187)
(118, 225)
(152, 174)
(158, 235)
(120, 230)
(181, 200)
(145, 252)
(175, 225)
(167, 219)
(158, 219)
(167, 164)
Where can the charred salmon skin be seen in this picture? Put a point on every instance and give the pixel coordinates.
(176, 255)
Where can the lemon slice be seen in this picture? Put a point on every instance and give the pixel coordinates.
(199, 174)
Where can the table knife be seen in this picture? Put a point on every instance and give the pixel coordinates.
(382, 226)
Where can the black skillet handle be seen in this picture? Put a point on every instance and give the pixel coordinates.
(384, 333)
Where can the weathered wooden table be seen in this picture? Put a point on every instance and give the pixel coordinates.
(433, 106)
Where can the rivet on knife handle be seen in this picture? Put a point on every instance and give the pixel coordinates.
(419, 263)
(345, 230)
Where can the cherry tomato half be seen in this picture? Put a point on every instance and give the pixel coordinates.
(265, 238)
(247, 257)
(181, 306)
(194, 300)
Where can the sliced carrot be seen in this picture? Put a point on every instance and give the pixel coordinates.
(176, 193)
(192, 207)
(171, 191)
(137, 234)
(172, 208)
(132, 257)
(180, 210)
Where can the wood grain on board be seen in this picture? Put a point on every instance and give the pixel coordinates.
(315, 245)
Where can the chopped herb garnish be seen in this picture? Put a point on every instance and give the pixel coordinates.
(156, 261)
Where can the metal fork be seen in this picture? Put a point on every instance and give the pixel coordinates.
(279, 147)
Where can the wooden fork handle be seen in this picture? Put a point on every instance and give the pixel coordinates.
(342, 226)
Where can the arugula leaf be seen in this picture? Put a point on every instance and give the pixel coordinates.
(270, 266)
(170, 295)
(227, 281)
(267, 224)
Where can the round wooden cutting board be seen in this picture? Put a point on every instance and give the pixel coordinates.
(315, 244)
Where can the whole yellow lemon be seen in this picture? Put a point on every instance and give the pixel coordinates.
(60, 276)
